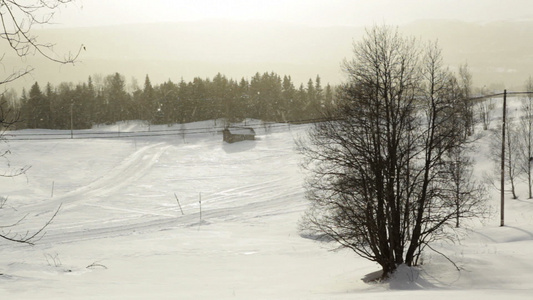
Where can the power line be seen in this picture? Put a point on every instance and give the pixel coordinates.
(87, 134)
(66, 135)
(499, 95)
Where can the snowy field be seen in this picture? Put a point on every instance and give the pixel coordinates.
(120, 233)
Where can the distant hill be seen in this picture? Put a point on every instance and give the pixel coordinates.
(498, 54)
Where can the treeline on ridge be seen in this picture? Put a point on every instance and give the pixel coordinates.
(107, 100)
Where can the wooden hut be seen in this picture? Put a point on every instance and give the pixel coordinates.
(237, 134)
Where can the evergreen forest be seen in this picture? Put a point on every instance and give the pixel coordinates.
(106, 100)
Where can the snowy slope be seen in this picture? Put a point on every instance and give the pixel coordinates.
(120, 233)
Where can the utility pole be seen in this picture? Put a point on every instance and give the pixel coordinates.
(71, 121)
(502, 194)
(502, 186)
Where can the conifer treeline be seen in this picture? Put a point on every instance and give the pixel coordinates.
(267, 97)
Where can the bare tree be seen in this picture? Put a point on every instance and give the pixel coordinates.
(465, 82)
(512, 155)
(18, 17)
(526, 136)
(485, 108)
(468, 195)
(378, 164)
(513, 169)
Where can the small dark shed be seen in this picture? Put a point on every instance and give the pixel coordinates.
(237, 134)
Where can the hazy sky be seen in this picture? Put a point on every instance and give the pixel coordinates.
(309, 12)
(206, 48)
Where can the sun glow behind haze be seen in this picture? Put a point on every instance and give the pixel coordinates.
(86, 13)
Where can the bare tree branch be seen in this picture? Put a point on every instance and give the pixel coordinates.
(28, 237)
(17, 20)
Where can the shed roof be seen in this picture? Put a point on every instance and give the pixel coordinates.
(241, 130)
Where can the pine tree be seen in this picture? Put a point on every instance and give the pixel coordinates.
(313, 107)
(319, 93)
(116, 98)
(328, 97)
(148, 101)
(289, 99)
(38, 108)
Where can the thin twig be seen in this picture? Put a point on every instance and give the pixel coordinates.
(443, 255)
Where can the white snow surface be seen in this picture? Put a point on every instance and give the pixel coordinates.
(120, 233)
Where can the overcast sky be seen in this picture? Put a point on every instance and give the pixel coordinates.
(310, 12)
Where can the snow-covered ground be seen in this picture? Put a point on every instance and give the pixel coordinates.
(120, 232)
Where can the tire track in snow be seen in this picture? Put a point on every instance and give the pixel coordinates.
(128, 170)
(251, 210)
(240, 204)
(132, 168)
